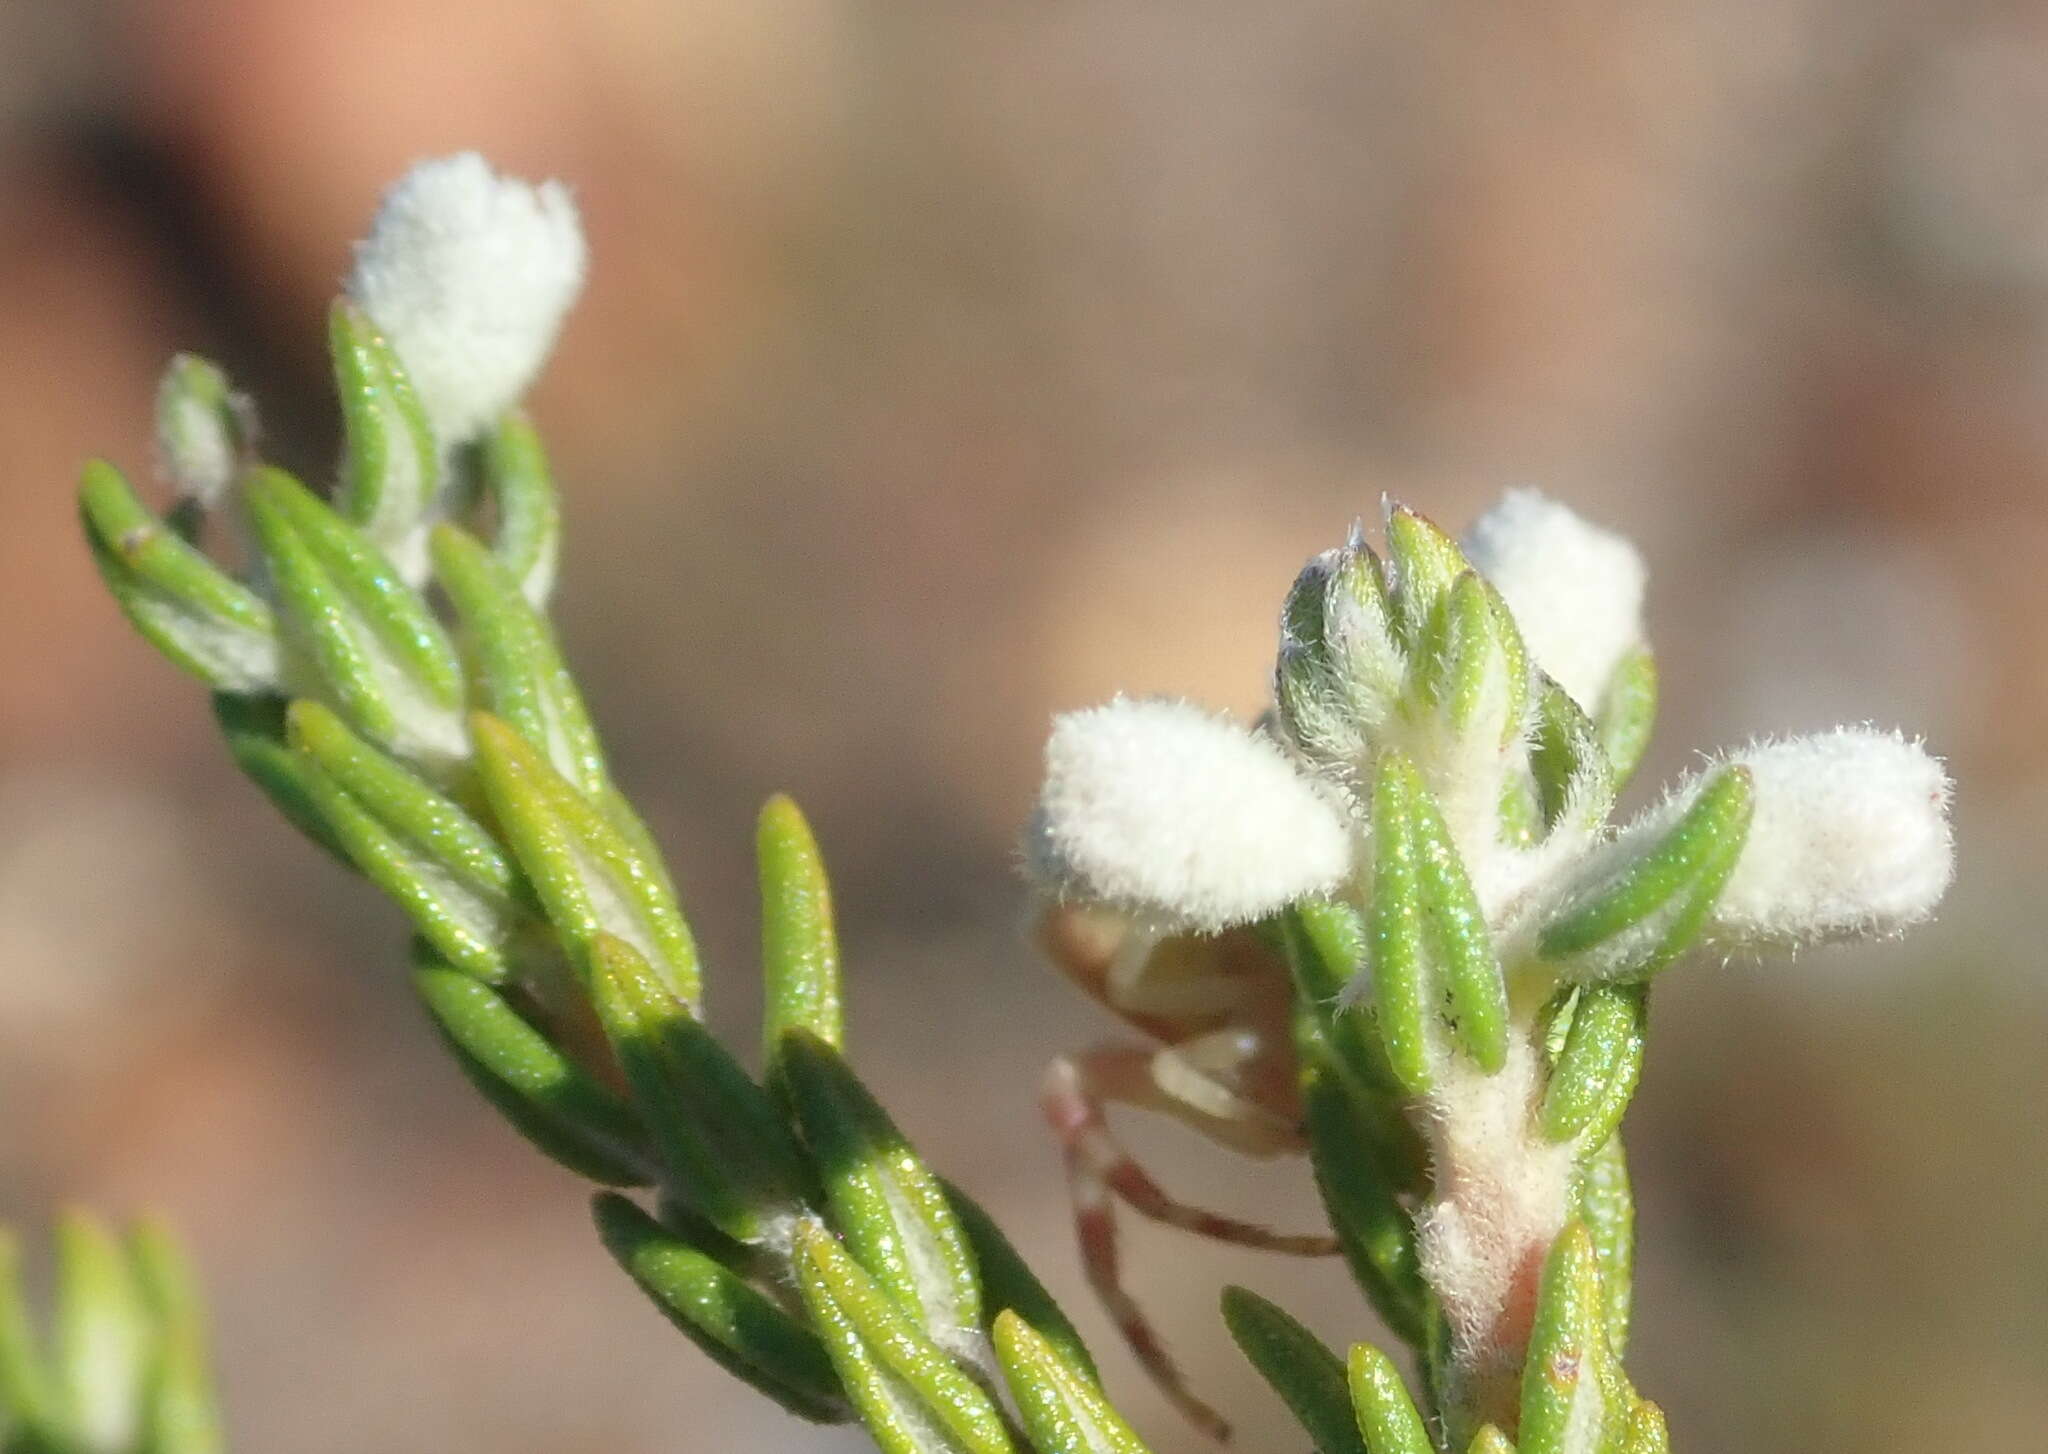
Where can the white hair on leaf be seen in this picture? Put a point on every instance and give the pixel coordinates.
(468, 275)
(1850, 839)
(1575, 590)
(1166, 810)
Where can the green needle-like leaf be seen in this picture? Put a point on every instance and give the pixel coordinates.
(1009, 1285)
(1339, 666)
(1564, 1407)
(726, 1148)
(1472, 655)
(799, 946)
(1627, 712)
(519, 672)
(1606, 1204)
(1646, 1431)
(1605, 1038)
(1063, 1410)
(1386, 1415)
(184, 605)
(1490, 1440)
(1374, 1229)
(890, 1210)
(1567, 762)
(1394, 927)
(1361, 642)
(1471, 973)
(392, 464)
(1515, 661)
(1327, 944)
(1652, 911)
(912, 1396)
(376, 648)
(179, 1412)
(442, 867)
(1621, 1084)
(1302, 1371)
(102, 1336)
(742, 1329)
(28, 1400)
(254, 728)
(528, 539)
(592, 877)
(1425, 563)
(1305, 613)
(547, 1097)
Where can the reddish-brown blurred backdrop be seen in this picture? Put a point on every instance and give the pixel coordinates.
(945, 366)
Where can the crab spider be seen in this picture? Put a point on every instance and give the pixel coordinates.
(1216, 1011)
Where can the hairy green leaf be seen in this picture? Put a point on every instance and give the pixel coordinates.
(518, 670)
(743, 1330)
(1302, 1371)
(1063, 1410)
(891, 1211)
(180, 1414)
(1385, 1413)
(529, 535)
(1395, 930)
(392, 465)
(450, 876)
(203, 621)
(547, 1097)
(1009, 1285)
(378, 653)
(726, 1148)
(799, 945)
(592, 876)
(912, 1396)
(1652, 910)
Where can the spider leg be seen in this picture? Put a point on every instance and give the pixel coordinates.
(1077, 1092)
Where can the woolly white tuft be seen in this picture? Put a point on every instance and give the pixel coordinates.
(468, 274)
(1851, 837)
(1576, 591)
(195, 448)
(1163, 809)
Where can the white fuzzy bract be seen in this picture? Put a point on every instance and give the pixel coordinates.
(468, 274)
(1575, 590)
(1160, 808)
(1850, 838)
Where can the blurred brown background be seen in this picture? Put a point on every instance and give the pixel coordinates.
(946, 366)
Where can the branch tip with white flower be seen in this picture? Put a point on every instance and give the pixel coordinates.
(469, 274)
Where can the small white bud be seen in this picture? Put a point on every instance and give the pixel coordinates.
(1575, 590)
(1850, 838)
(202, 430)
(1162, 809)
(468, 274)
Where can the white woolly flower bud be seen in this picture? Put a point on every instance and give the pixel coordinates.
(202, 430)
(1576, 591)
(1850, 838)
(468, 274)
(1162, 809)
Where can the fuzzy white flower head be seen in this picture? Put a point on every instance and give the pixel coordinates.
(469, 274)
(1161, 808)
(1576, 591)
(1850, 838)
